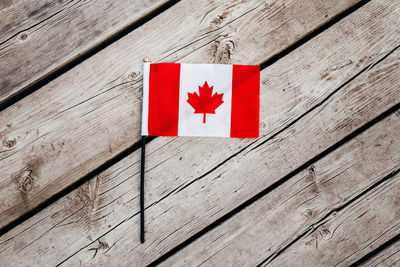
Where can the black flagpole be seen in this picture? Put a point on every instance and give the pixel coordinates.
(146, 59)
(142, 192)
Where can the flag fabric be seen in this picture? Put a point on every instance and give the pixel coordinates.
(201, 100)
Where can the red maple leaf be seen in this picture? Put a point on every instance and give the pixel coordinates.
(205, 102)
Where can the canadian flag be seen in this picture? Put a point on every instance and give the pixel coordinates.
(201, 100)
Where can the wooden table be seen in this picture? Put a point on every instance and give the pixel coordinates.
(320, 187)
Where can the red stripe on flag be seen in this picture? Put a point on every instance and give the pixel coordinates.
(245, 101)
(164, 99)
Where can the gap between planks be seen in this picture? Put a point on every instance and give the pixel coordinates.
(386, 255)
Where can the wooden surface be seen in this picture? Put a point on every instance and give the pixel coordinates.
(319, 187)
(60, 135)
(389, 256)
(313, 204)
(39, 37)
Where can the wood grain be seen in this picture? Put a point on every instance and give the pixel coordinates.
(99, 219)
(308, 205)
(87, 116)
(351, 233)
(39, 37)
(390, 256)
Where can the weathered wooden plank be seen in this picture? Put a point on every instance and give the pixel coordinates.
(390, 256)
(108, 204)
(301, 206)
(39, 37)
(89, 115)
(344, 237)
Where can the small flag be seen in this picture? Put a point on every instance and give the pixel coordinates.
(201, 100)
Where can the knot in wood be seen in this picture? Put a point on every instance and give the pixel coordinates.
(88, 193)
(9, 142)
(132, 76)
(325, 233)
(220, 18)
(309, 213)
(27, 178)
(22, 36)
(101, 246)
(221, 51)
(27, 181)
